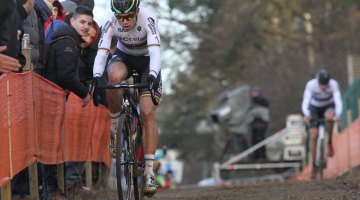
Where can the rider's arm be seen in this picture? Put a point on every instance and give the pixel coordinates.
(306, 100)
(337, 100)
(155, 60)
(153, 40)
(107, 31)
(100, 62)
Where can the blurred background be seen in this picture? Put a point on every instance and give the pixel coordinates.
(211, 47)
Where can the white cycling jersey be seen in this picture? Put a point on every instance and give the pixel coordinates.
(142, 40)
(314, 96)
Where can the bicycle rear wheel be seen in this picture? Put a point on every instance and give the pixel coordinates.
(123, 156)
(138, 170)
(322, 158)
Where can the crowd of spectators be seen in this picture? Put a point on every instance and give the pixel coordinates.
(68, 62)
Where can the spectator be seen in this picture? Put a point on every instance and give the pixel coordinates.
(63, 56)
(62, 69)
(49, 4)
(169, 179)
(74, 170)
(57, 13)
(20, 186)
(87, 56)
(69, 6)
(42, 9)
(11, 31)
(6, 9)
(31, 26)
(260, 111)
(43, 13)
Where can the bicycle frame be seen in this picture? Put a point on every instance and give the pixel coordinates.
(128, 146)
(321, 156)
(321, 150)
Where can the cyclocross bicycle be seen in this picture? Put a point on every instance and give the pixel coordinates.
(321, 145)
(130, 163)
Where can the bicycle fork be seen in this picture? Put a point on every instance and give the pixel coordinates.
(321, 147)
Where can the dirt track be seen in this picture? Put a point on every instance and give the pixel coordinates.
(345, 187)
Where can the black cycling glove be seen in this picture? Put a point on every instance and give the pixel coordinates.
(151, 82)
(93, 89)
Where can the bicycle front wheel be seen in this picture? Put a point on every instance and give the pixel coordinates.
(322, 158)
(123, 163)
(138, 170)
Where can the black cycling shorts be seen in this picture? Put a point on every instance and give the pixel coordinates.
(140, 64)
(318, 113)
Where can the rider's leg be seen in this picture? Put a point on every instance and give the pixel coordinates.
(150, 136)
(117, 72)
(150, 139)
(314, 137)
(329, 116)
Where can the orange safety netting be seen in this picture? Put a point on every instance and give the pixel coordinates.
(37, 124)
(347, 151)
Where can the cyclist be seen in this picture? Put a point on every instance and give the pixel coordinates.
(321, 100)
(138, 48)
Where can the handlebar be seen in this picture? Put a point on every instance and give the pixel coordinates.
(122, 86)
(127, 86)
(322, 120)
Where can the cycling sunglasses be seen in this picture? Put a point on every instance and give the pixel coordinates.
(125, 17)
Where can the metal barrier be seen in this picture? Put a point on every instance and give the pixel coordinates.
(231, 163)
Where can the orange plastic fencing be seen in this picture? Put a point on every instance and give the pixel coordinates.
(49, 101)
(37, 124)
(347, 151)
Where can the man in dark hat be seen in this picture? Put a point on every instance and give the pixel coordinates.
(260, 123)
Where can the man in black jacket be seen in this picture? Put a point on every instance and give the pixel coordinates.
(6, 9)
(260, 123)
(62, 69)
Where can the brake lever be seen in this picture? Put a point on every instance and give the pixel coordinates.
(153, 97)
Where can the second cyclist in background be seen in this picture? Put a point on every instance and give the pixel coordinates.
(321, 100)
(138, 49)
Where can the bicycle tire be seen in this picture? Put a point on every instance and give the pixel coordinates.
(322, 159)
(123, 167)
(138, 170)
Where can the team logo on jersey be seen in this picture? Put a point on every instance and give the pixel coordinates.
(139, 28)
(68, 50)
(133, 39)
(106, 27)
(151, 21)
(152, 25)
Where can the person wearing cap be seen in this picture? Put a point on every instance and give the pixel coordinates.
(69, 6)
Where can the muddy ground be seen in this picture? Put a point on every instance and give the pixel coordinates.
(343, 188)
